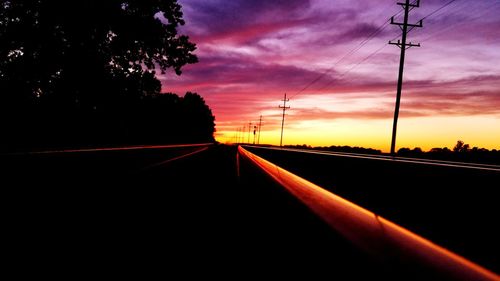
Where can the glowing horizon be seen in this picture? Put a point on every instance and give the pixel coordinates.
(376, 134)
(252, 53)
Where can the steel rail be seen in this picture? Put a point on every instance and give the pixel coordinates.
(371, 232)
(422, 161)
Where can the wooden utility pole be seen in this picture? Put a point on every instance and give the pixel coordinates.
(254, 133)
(243, 133)
(249, 130)
(285, 108)
(407, 6)
(260, 125)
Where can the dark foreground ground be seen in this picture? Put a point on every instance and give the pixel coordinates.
(123, 214)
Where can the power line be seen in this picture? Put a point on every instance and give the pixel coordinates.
(412, 6)
(439, 9)
(460, 7)
(352, 51)
(478, 13)
(380, 49)
(352, 68)
(342, 76)
(372, 35)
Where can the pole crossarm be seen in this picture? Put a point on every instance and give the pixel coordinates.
(407, 45)
(407, 3)
(401, 24)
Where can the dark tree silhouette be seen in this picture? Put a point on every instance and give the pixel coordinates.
(197, 116)
(460, 152)
(81, 50)
(168, 118)
(461, 147)
(404, 151)
(345, 148)
(439, 150)
(77, 73)
(415, 152)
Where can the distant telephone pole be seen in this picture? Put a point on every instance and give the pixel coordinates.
(285, 108)
(254, 133)
(260, 125)
(243, 132)
(407, 6)
(249, 130)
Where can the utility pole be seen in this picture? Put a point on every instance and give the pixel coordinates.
(407, 6)
(243, 132)
(249, 130)
(260, 125)
(254, 133)
(285, 108)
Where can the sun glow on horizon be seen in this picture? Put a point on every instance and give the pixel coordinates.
(341, 77)
(423, 132)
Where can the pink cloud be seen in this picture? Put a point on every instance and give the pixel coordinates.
(251, 52)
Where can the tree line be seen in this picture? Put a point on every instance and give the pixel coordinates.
(85, 74)
(460, 152)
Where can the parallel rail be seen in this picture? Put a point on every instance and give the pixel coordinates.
(454, 164)
(371, 232)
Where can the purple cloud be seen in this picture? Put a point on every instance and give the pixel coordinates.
(251, 52)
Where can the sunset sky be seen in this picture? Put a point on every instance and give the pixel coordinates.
(252, 52)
